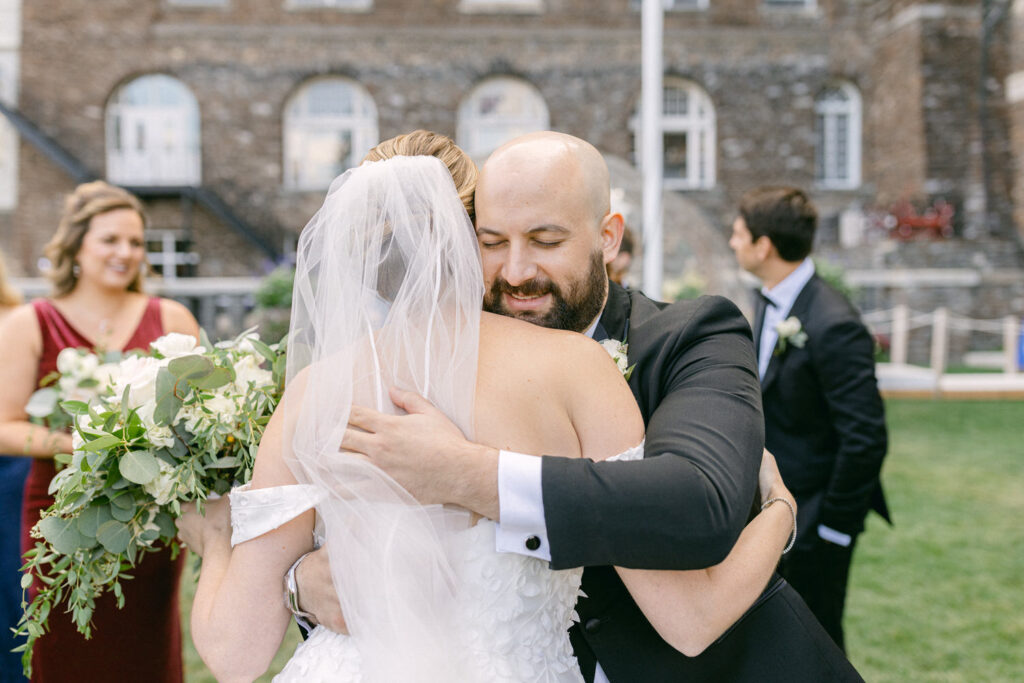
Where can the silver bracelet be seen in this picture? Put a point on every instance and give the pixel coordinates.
(291, 596)
(792, 539)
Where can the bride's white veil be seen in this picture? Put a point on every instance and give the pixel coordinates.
(388, 290)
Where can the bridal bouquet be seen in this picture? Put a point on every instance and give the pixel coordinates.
(152, 432)
(81, 375)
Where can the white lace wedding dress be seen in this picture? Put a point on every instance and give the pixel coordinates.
(514, 611)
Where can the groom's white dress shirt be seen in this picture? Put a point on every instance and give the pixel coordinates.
(523, 527)
(782, 297)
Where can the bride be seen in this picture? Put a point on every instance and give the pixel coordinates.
(388, 293)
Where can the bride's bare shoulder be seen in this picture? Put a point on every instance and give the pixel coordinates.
(501, 330)
(515, 340)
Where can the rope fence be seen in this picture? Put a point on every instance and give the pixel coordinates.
(898, 322)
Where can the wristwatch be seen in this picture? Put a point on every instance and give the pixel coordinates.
(291, 597)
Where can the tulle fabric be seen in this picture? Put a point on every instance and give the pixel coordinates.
(388, 289)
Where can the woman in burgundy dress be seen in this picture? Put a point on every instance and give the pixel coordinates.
(97, 257)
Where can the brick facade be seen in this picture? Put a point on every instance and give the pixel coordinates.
(915, 63)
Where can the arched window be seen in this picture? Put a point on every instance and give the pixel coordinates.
(153, 133)
(837, 129)
(688, 124)
(498, 110)
(330, 124)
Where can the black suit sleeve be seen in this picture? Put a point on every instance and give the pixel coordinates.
(846, 369)
(684, 505)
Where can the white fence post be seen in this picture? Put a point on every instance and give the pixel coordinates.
(940, 342)
(900, 334)
(1010, 345)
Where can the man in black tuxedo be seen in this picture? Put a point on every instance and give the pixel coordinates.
(681, 507)
(824, 418)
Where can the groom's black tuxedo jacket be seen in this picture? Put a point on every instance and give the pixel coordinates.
(682, 507)
(824, 418)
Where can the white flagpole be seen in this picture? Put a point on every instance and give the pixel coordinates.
(651, 151)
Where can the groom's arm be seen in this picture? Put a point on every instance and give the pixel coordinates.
(684, 505)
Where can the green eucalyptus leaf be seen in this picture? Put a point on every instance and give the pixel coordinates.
(122, 514)
(74, 407)
(92, 518)
(166, 523)
(62, 534)
(140, 467)
(167, 403)
(216, 379)
(204, 339)
(63, 458)
(191, 368)
(263, 350)
(103, 442)
(226, 462)
(114, 536)
(42, 403)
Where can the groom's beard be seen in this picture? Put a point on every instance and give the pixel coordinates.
(574, 309)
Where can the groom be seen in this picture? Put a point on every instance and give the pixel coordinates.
(546, 232)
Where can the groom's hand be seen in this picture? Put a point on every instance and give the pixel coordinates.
(427, 454)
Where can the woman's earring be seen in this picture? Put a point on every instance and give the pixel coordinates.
(76, 270)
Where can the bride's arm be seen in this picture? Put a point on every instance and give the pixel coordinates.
(239, 618)
(692, 609)
(688, 609)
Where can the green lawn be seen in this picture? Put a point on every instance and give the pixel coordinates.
(940, 596)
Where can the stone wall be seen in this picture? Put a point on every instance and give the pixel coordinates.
(761, 67)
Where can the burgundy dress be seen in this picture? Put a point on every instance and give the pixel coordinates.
(141, 642)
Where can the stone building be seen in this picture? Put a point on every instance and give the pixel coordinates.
(230, 117)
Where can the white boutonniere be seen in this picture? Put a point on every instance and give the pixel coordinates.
(791, 331)
(619, 351)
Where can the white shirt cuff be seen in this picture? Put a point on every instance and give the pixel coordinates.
(833, 536)
(522, 529)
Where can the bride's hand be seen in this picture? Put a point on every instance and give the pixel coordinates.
(195, 529)
(769, 481)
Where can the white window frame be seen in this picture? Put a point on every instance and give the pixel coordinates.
(361, 124)
(10, 47)
(700, 126)
(340, 5)
(826, 143)
(791, 5)
(474, 129)
(198, 4)
(675, 5)
(176, 165)
(501, 6)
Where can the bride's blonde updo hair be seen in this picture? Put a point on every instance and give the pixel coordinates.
(426, 143)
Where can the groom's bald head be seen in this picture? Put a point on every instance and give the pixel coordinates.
(546, 230)
(571, 169)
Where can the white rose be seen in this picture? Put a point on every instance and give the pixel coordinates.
(222, 407)
(174, 345)
(158, 435)
(107, 374)
(246, 344)
(162, 486)
(68, 361)
(138, 373)
(248, 373)
(788, 327)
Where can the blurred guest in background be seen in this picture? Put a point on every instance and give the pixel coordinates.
(13, 471)
(97, 257)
